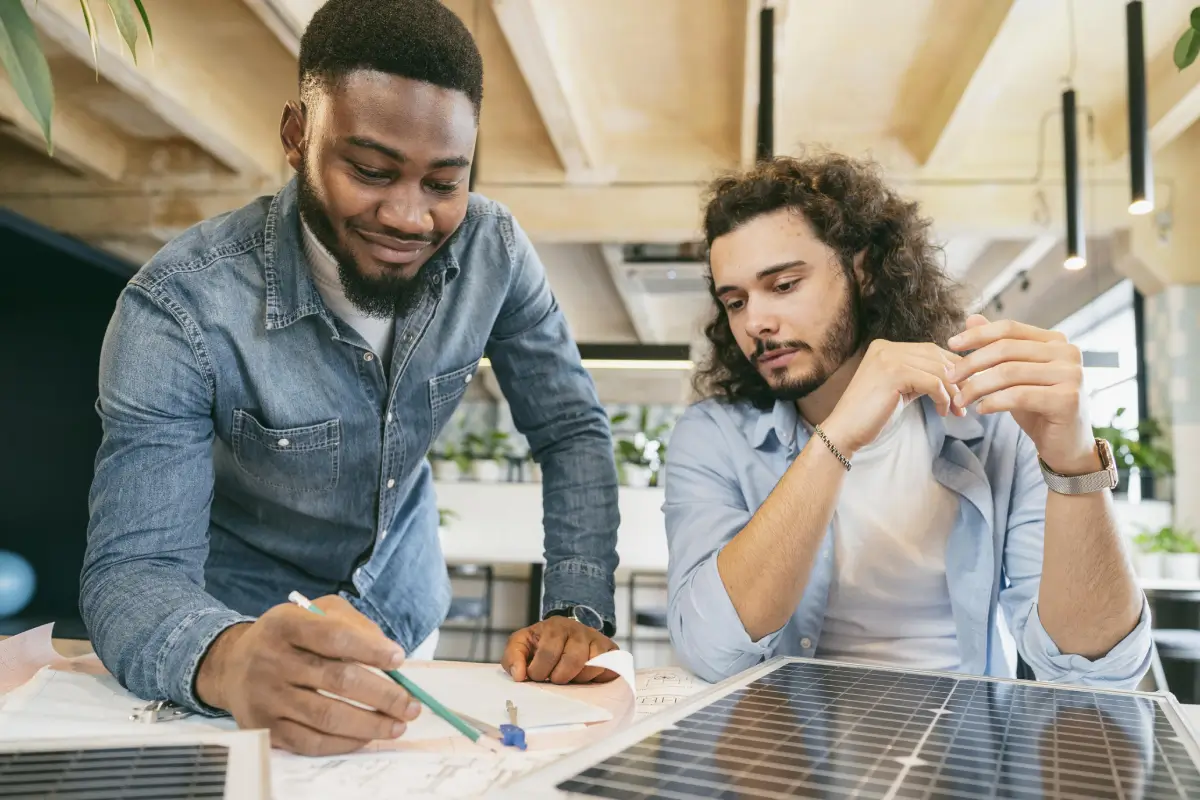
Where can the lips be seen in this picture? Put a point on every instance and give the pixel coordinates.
(774, 359)
(390, 250)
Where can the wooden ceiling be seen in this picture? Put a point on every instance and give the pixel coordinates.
(603, 119)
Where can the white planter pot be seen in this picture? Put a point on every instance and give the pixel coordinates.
(446, 471)
(1181, 566)
(487, 471)
(1148, 565)
(637, 477)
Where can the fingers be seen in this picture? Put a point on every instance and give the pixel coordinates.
(353, 682)
(1017, 373)
(981, 335)
(575, 654)
(916, 382)
(336, 638)
(303, 740)
(333, 717)
(551, 642)
(1044, 400)
(597, 674)
(517, 654)
(1004, 350)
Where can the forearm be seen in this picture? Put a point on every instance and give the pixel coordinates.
(766, 566)
(1088, 599)
(579, 498)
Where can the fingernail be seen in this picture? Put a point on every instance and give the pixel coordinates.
(397, 658)
(397, 729)
(413, 710)
(512, 672)
(958, 399)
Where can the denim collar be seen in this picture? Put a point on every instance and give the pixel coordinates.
(291, 293)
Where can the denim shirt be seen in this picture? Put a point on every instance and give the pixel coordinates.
(726, 459)
(254, 445)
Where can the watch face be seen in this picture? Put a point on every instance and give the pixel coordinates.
(588, 616)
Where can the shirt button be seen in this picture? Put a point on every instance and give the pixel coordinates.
(468, 378)
(437, 278)
(283, 442)
(391, 482)
(368, 356)
(389, 417)
(408, 337)
(806, 642)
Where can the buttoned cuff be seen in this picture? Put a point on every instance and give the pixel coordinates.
(578, 582)
(185, 648)
(1122, 667)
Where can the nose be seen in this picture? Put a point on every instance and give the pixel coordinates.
(406, 211)
(760, 322)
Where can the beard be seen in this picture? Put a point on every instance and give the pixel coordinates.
(841, 341)
(382, 296)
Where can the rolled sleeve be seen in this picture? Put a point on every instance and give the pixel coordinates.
(1122, 667)
(704, 510)
(555, 406)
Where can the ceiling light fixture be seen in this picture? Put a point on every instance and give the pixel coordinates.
(1076, 253)
(1141, 171)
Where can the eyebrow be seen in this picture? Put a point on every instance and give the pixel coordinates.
(766, 272)
(396, 155)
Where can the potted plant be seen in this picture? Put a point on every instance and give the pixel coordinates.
(640, 457)
(487, 453)
(1136, 449)
(449, 463)
(1168, 552)
(445, 516)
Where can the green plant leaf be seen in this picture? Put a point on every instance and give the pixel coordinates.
(122, 12)
(1187, 48)
(145, 21)
(22, 56)
(1195, 18)
(89, 22)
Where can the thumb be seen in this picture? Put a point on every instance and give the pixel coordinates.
(520, 649)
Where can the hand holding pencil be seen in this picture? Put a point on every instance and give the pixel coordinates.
(267, 675)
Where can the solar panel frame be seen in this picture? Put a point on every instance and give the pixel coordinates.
(1077, 780)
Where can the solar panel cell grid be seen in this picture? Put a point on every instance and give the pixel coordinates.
(831, 730)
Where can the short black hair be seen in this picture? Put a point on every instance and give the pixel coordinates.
(417, 39)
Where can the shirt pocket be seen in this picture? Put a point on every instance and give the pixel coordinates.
(297, 460)
(446, 390)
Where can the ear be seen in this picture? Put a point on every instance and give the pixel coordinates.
(860, 274)
(291, 133)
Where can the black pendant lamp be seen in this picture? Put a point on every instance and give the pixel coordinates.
(1076, 255)
(764, 147)
(1141, 174)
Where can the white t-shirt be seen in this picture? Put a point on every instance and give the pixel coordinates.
(376, 331)
(889, 602)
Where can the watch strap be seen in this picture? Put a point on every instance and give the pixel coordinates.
(606, 627)
(1105, 478)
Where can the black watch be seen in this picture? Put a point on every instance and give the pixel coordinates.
(585, 615)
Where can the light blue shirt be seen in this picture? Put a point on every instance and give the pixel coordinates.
(726, 459)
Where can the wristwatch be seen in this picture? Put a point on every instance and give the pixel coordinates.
(1106, 478)
(584, 615)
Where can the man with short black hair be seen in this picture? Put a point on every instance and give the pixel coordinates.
(867, 480)
(272, 380)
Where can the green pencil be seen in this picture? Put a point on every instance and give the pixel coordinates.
(416, 691)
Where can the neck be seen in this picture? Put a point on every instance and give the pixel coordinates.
(819, 404)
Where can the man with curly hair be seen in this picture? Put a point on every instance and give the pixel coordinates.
(873, 478)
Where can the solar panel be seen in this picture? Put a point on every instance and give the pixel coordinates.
(802, 728)
(179, 772)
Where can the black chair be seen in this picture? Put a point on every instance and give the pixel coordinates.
(475, 609)
(1180, 645)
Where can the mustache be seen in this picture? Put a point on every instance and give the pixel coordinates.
(765, 347)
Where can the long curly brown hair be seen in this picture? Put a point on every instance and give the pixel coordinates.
(905, 296)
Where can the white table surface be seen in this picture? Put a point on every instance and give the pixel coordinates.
(501, 523)
(1169, 585)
